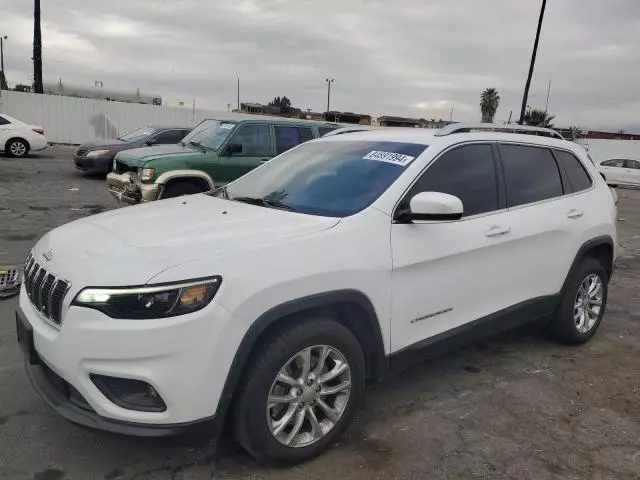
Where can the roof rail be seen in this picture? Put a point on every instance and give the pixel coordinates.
(497, 127)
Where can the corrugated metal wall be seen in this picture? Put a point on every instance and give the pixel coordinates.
(77, 120)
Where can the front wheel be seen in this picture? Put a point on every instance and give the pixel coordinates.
(582, 305)
(301, 392)
(180, 188)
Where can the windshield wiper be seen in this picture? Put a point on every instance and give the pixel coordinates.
(198, 144)
(265, 202)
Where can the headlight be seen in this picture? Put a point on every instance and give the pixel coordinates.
(146, 174)
(152, 301)
(98, 153)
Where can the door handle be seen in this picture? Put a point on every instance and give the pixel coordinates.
(264, 160)
(575, 213)
(497, 230)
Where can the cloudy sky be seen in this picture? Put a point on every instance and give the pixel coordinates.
(417, 58)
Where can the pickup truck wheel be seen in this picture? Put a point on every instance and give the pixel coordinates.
(180, 188)
(582, 305)
(301, 392)
(16, 147)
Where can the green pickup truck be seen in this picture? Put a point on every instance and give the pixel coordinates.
(216, 152)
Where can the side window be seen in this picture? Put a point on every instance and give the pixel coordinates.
(255, 141)
(324, 130)
(4, 121)
(469, 173)
(613, 163)
(632, 164)
(578, 177)
(531, 174)
(289, 137)
(169, 136)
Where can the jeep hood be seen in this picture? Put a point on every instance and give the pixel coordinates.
(130, 245)
(137, 157)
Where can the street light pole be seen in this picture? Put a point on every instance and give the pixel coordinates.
(3, 77)
(329, 82)
(525, 97)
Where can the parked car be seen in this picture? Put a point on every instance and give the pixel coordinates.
(17, 138)
(343, 259)
(97, 157)
(621, 171)
(216, 152)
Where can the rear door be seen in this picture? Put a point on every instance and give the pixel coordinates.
(5, 126)
(546, 222)
(288, 137)
(254, 146)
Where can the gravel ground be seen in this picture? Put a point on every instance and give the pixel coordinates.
(517, 407)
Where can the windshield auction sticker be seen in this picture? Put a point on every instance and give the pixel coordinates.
(389, 157)
(227, 126)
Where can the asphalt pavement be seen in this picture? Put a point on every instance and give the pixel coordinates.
(517, 406)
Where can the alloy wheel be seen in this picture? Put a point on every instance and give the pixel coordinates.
(18, 149)
(588, 303)
(309, 396)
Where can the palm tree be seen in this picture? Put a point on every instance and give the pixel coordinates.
(538, 118)
(37, 49)
(489, 100)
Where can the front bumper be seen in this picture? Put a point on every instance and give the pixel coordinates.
(127, 188)
(93, 164)
(186, 359)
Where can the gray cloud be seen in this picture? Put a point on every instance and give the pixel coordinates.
(411, 57)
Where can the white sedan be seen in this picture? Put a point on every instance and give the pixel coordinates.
(17, 138)
(621, 171)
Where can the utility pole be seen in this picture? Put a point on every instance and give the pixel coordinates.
(238, 94)
(3, 77)
(525, 97)
(546, 107)
(37, 49)
(329, 82)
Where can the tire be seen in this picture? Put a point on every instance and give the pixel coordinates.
(565, 327)
(16, 147)
(255, 417)
(180, 188)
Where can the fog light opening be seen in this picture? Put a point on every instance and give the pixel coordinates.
(129, 393)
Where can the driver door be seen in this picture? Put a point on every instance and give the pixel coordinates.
(448, 273)
(251, 146)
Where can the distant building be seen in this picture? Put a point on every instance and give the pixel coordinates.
(98, 92)
(347, 117)
(583, 133)
(259, 109)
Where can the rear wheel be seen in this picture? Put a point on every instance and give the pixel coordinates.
(583, 303)
(181, 187)
(16, 147)
(301, 392)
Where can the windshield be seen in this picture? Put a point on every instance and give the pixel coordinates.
(137, 134)
(334, 179)
(210, 133)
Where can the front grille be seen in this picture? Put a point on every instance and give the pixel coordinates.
(81, 152)
(9, 281)
(45, 290)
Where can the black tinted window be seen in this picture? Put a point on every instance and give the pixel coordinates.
(324, 130)
(531, 174)
(169, 136)
(577, 175)
(632, 164)
(255, 141)
(613, 163)
(289, 137)
(467, 172)
(4, 121)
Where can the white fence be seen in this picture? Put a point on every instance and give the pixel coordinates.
(77, 120)
(608, 149)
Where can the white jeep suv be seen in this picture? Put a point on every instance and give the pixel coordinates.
(270, 301)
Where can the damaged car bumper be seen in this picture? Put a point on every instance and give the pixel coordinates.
(127, 188)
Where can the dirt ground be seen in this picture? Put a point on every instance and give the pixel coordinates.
(516, 407)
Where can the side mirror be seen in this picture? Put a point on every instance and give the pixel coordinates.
(151, 142)
(234, 148)
(432, 206)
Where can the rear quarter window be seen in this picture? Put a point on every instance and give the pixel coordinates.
(576, 174)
